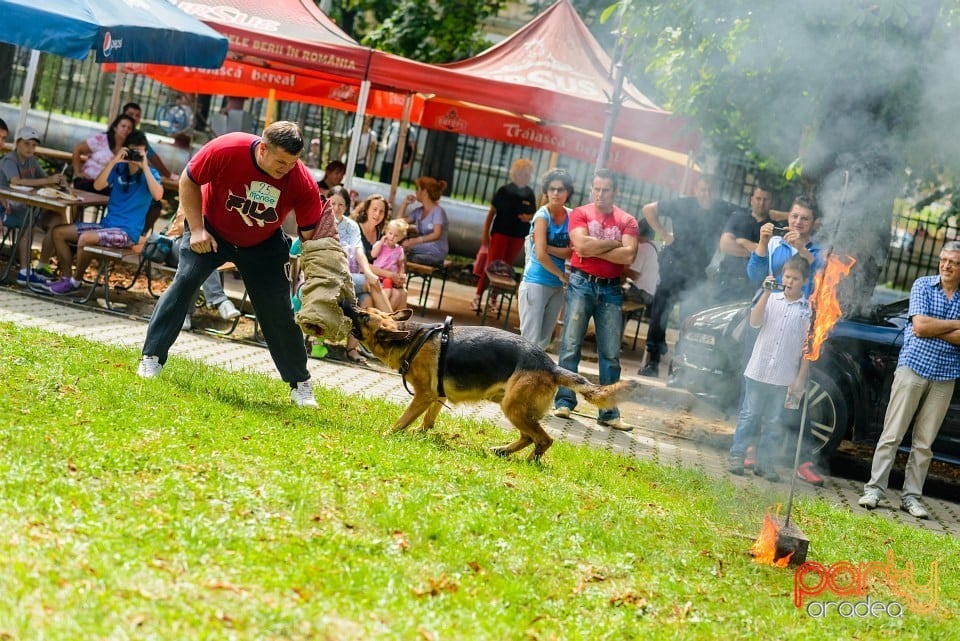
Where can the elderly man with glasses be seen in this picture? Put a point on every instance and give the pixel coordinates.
(928, 366)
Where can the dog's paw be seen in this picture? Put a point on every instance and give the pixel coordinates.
(500, 450)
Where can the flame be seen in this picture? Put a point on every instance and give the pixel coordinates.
(764, 549)
(824, 301)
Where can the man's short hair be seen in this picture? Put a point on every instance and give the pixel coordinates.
(285, 135)
(605, 174)
(335, 166)
(797, 263)
(951, 246)
(131, 105)
(808, 203)
(136, 138)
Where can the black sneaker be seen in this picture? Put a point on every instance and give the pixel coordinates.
(735, 465)
(651, 370)
(767, 472)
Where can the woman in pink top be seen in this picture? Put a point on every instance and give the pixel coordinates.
(99, 149)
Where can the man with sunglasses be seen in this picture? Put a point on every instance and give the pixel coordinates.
(235, 193)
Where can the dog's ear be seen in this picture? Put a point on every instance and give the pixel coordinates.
(393, 335)
(402, 314)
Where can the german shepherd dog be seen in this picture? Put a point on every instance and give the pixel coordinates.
(480, 363)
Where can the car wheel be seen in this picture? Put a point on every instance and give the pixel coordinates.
(828, 414)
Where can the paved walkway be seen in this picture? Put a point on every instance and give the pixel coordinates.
(665, 433)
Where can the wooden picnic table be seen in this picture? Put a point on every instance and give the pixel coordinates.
(36, 198)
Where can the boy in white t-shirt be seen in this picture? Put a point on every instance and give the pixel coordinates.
(777, 370)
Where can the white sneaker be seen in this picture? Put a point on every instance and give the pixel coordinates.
(149, 367)
(912, 506)
(186, 324)
(562, 412)
(302, 395)
(228, 311)
(869, 500)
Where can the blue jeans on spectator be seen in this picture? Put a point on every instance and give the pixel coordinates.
(603, 303)
(262, 268)
(762, 405)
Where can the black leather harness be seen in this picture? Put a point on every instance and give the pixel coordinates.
(444, 328)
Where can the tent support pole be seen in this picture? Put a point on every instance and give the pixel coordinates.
(356, 133)
(115, 97)
(401, 144)
(28, 88)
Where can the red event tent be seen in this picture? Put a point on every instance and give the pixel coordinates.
(546, 86)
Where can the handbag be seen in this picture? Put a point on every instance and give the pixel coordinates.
(157, 248)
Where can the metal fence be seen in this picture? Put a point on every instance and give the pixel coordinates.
(916, 239)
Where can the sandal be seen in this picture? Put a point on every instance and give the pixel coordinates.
(354, 356)
(475, 304)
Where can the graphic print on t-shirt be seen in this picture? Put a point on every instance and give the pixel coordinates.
(596, 229)
(259, 205)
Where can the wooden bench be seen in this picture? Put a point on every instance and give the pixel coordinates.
(426, 274)
(504, 287)
(107, 257)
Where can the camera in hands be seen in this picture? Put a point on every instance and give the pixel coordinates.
(134, 155)
(772, 285)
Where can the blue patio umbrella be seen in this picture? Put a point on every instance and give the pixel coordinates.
(116, 30)
(153, 31)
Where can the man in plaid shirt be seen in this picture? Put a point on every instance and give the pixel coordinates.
(923, 383)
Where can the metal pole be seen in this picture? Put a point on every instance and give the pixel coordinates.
(28, 88)
(357, 132)
(796, 458)
(613, 107)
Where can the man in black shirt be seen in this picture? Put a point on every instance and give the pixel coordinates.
(738, 240)
(696, 223)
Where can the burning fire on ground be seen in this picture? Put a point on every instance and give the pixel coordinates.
(764, 549)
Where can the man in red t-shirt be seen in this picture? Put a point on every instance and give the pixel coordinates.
(235, 193)
(604, 242)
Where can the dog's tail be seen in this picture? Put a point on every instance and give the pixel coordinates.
(603, 396)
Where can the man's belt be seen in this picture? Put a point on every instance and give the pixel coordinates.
(595, 279)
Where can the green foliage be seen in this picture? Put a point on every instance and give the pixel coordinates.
(202, 505)
(437, 31)
(757, 74)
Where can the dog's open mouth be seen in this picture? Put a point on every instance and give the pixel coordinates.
(356, 316)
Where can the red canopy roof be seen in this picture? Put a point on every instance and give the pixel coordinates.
(553, 70)
(551, 76)
(292, 34)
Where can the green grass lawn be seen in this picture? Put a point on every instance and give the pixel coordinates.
(202, 505)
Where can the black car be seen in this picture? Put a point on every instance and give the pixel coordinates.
(849, 384)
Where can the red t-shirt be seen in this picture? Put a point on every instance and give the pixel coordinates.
(612, 226)
(244, 204)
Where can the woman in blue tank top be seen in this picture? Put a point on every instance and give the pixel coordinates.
(548, 249)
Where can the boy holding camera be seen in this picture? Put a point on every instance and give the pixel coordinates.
(134, 186)
(777, 370)
(773, 251)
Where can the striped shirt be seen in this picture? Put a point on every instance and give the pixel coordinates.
(776, 354)
(932, 358)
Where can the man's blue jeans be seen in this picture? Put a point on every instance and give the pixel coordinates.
(603, 303)
(762, 405)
